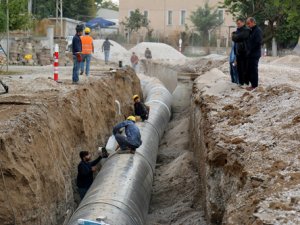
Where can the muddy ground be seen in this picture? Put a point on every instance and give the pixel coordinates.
(247, 145)
(230, 157)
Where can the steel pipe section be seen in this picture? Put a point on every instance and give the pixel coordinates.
(121, 191)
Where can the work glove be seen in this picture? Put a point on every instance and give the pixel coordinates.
(105, 154)
(79, 57)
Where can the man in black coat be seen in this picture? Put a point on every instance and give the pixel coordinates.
(240, 37)
(86, 168)
(254, 43)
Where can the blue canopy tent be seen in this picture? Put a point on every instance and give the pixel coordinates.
(99, 22)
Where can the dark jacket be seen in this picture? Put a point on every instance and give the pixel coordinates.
(76, 44)
(85, 173)
(240, 37)
(254, 43)
(141, 110)
(106, 45)
(132, 132)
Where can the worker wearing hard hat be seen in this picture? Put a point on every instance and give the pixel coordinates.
(87, 50)
(132, 140)
(140, 109)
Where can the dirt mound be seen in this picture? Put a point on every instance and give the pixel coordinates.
(246, 145)
(117, 51)
(42, 131)
(201, 65)
(289, 59)
(159, 51)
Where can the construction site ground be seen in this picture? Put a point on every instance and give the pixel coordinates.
(228, 156)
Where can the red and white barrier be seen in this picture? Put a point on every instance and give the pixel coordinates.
(55, 64)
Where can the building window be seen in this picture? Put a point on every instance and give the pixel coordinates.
(221, 14)
(182, 17)
(130, 13)
(170, 17)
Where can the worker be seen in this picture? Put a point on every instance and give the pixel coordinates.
(132, 140)
(87, 50)
(106, 48)
(85, 172)
(140, 109)
(134, 60)
(148, 54)
(76, 49)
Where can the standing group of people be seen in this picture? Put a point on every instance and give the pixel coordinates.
(245, 54)
(128, 137)
(82, 49)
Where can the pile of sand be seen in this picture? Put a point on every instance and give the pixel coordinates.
(159, 51)
(289, 59)
(117, 51)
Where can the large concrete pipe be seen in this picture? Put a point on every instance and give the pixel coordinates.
(121, 191)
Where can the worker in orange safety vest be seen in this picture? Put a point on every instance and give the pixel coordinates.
(87, 50)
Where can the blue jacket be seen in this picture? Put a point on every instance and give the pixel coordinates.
(232, 56)
(132, 132)
(76, 44)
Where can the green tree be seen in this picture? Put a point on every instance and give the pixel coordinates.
(205, 20)
(2, 20)
(282, 18)
(43, 9)
(75, 9)
(104, 4)
(136, 21)
(18, 14)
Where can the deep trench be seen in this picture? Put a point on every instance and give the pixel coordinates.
(176, 191)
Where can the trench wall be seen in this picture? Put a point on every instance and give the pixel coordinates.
(41, 137)
(164, 73)
(221, 173)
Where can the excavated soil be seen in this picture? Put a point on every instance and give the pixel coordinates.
(43, 127)
(175, 195)
(247, 146)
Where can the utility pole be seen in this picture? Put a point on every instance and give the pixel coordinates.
(29, 7)
(59, 16)
(7, 30)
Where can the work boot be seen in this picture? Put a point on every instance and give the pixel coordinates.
(81, 72)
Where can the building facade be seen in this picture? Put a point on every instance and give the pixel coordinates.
(169, 16)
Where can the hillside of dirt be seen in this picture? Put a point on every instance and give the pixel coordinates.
(44, 125)
(247, 146)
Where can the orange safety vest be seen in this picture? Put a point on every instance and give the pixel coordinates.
(87, 44)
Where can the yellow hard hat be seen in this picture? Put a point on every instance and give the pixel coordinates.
(135, 97)
(87, 30)
(132, 118)
(28, 57)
